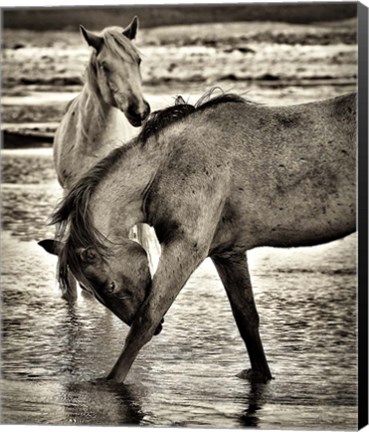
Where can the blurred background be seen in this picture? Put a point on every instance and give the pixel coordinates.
(166, 15)
(276, 53)
(272, 53)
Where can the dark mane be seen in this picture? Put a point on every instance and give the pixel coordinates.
(160, 119)
(74, 223)
(72, 216)
(207, 101)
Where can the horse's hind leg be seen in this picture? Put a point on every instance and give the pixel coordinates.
(234, 274)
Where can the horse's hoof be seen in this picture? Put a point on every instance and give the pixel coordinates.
(253, 376)
(103, 381)
(99, 381)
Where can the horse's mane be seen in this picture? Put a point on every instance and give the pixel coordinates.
(121, 46)
(159, 120)
(72, 216)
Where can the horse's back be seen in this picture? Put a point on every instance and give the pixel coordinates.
(251, 134)
(287, 174)
(298, 173)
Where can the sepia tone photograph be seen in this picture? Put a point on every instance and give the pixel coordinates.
(179, 206)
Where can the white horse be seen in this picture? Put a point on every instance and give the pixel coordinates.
(109, 108)
(107, 112)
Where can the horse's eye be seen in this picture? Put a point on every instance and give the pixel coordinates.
(105, 67)
(111, 287)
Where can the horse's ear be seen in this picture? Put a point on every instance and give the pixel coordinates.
(93, 40)
(131, 31)
(88, 255)
(52, 246)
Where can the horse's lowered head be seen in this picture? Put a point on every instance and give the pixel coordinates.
(118, 276)
(114, 70)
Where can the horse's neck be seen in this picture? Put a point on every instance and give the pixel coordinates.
(117, 204)
(100, 126)
(88, 132)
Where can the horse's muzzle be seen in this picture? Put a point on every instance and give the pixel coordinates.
(137, 117)
(135, 121)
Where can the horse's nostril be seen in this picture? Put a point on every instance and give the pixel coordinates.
(132, 111)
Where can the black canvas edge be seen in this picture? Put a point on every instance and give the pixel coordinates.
(362, 12)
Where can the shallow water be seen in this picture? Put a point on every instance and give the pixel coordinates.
(52, 353)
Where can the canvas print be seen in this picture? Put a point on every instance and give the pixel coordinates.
(179, 216)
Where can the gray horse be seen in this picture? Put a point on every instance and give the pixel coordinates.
(214, 180)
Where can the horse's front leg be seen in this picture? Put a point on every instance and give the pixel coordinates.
(177, 262)
(233, 271)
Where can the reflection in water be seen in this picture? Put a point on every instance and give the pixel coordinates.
(249, 417)
(51, 352)
(102, 404)
(71, 328)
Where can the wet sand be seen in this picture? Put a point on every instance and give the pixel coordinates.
(185, 376)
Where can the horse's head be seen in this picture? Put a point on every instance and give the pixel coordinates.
(120, 278)
(115, 63)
